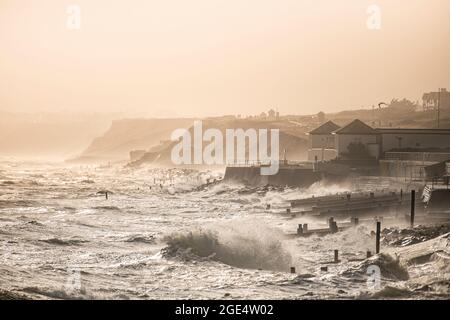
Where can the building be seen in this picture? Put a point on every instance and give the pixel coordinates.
(271, 114)
(357, 136)
(322, 142)
(433, 100)
(397, 152)
(413, 139)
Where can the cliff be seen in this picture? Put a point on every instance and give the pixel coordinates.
(292, 138)
(152, 135)
(126, 135)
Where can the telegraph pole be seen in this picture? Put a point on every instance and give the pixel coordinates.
(439, 108)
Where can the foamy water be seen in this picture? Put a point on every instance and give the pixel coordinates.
(162, 234)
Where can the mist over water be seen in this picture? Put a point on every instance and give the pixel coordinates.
(165, 234)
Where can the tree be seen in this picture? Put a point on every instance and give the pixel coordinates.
(403, 105)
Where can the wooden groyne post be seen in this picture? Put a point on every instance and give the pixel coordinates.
(106, 195)
(413, 207)
(378, 237)
(336, 256)
(332, 225)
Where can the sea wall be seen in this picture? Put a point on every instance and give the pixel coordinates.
(286, 176)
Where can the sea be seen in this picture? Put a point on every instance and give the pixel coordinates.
(113, 232)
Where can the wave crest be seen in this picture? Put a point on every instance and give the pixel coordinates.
(237, 247)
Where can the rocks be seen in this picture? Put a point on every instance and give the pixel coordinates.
(406, 237)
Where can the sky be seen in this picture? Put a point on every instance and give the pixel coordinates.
(172, 58)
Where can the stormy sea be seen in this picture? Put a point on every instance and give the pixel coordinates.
(113, 232)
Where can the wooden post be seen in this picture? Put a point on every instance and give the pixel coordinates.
(106, 195)
(300, 229)
(305, 227)
(334, 227)
(413, 206)
(378, 237)
(288, 210)
(336, 256)
(369, 254)
(330, 222)
(354, 221)
(292, 269)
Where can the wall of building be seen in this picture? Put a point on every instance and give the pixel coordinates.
(404, 169)
(319, 141)
(418, 156)
(374, 150)
(322, 154)
(417, 141)
(344, 140)
(290, 176)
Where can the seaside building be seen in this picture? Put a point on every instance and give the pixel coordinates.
(322, 145)
(433, 100)
(395, 152)
(357, 137)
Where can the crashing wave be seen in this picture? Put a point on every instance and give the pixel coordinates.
(141, 239)
(236, 248)
(60, 242)
(391, 268)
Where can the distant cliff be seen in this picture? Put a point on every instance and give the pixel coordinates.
(292, 138)
(152, 135)
(126, 135)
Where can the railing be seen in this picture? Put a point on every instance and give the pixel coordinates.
(258, 163)
(247, 163)
(418, 156)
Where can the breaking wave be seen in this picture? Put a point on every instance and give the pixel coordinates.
(391, 268)
(60, 242)
(141, 239)
(110, 208)
(236, 246)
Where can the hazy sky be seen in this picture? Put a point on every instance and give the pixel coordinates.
(211, 57)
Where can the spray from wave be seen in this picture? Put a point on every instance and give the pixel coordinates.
(243, 246)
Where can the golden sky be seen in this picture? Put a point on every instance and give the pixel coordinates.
(212, 57)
